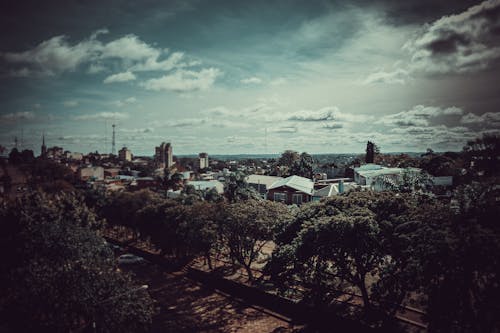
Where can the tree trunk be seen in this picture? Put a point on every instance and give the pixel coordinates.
(364, 293)
(249, 273)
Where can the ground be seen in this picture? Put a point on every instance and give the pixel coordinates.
(184, 305)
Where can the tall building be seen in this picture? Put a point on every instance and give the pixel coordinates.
(124, 154)
(163, 155)
(43, 150)
(203, 160)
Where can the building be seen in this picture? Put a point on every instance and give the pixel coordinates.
(370, 175)
(91, 173)
(205, 185)
(262, 183)
(163, 156)
(55, 153)
(203, 160)
(324, 190)
(291, 190)
(124, 154)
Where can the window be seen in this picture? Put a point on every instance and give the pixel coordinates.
(281, 197)
(297, 199)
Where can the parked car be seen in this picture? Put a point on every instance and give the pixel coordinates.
(128, 258)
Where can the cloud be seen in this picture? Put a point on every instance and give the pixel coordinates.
(251, 80)
(57, 55)
(278, 81)
(184, 80)
(419, 115)
(70, 103)
(218, 111)
(102, 116)
(53, 56)
(187, 122)
(126, 101)
(284, 130)
(15, 116)
(488, 118)
(399, 76)
(120, 77)
(128, 47)
(153, 64)
(332, 126)
(458, 43)
(136, 130)
(326, 114)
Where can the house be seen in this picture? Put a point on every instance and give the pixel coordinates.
(91, 172)
(262, 183)
(111, 172)
(328, 190)
(204, 185)
(291, 190)
(369, 175)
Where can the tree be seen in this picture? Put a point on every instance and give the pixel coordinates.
(409, 181)
(247, 226)
(58, 275)
(237, 188)
(457, 251)
(483, 155)
(288, 158)
(371, 150)
(340, 243)
(303, 166)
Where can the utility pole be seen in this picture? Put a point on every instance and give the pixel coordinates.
(113, 148)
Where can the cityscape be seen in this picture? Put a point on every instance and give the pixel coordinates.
(224, 166)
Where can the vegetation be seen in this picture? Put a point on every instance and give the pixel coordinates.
(58, 275)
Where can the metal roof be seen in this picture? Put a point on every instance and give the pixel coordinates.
(296, 182)
(261, 179)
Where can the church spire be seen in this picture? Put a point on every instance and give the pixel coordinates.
(44, 148)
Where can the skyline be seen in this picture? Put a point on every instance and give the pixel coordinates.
(220, 77)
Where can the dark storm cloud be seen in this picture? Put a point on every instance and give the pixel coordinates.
(464, 42)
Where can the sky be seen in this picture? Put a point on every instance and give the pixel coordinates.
(249, 77)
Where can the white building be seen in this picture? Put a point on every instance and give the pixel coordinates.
(203, 160)
(202, 185)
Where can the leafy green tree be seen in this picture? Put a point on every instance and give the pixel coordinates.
(236, 188)
(120, 208)
(342, 243)
(483, 155)
(407, 182)
(57, 275)
(303, 166)
(247, 226)
(371, 151)
(457, 251)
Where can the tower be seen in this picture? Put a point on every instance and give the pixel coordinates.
(43, 150)
(113, 148)
(163, 155)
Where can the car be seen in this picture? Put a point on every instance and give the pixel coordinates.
(128, 258)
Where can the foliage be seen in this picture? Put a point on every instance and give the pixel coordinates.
(303, 166)
(371, 151)
(409, 181)
(120, 208)
(458, 251)
(237, 188)
(57, 275)
(483, 155)
(247, 226)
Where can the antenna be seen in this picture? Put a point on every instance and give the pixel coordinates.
(113, 148)
(105, 135)
(15, 141)
(265, 142)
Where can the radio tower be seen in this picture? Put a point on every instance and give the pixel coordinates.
(113, 150)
